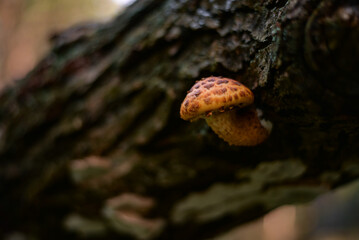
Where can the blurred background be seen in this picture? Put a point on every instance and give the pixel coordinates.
(26, 26)
(25, 29)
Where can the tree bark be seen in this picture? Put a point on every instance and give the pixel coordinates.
(91, 142)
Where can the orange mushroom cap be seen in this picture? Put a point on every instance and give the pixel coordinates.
(213, 94)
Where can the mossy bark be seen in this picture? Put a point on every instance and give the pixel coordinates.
(98, 118)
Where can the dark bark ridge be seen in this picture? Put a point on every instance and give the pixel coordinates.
(95, 126)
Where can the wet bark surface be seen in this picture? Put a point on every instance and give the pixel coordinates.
(91, 142)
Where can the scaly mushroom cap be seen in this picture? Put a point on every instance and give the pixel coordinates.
(214, 94)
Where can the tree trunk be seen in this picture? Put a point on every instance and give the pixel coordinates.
(91, 141)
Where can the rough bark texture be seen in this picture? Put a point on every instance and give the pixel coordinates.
(91, 142)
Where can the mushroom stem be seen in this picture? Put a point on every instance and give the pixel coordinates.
(240, 128)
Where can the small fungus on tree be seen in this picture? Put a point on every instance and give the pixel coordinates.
(225, 104)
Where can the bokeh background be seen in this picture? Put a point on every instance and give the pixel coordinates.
(26, 27)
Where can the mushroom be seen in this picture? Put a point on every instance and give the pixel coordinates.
(225, 105)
